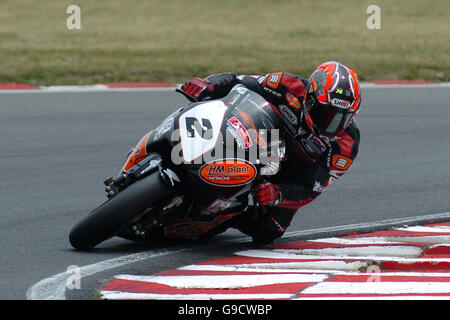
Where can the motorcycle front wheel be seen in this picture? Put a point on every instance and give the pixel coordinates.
(109, 218)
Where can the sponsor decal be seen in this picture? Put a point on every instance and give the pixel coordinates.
(186, 230)
(152, 164)
(341, 162)
(241, 90)
(165, 126)
(343, 104)
(293, 101)
(273, 92)
(319, 80)
(174, 203)
(274, 80)
(216, 206)
(239, 132)
(248, 120)
(318, 187)
(228, 172)
(289, 114)
(233, 100)
(313, 145)
(320, 146)
(336, 174)
(308, 148)
(301, 131)
(331, 180)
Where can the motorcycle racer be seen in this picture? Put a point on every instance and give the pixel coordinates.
(322, 137)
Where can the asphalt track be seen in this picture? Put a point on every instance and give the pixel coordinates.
(57, 148)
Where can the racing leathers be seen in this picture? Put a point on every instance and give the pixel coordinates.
(313, 162)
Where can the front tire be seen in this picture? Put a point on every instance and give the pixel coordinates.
(109, 218)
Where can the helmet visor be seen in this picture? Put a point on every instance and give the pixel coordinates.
(328, 121)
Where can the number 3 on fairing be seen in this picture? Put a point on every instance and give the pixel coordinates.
(200, 136)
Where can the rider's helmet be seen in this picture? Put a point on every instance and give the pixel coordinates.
(332, 98)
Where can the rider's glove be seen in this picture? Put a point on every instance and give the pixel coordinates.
(195, 88)
(267, 194)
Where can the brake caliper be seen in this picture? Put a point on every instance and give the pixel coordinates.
(114, 185)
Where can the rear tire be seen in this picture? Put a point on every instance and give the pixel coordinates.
(109, 218)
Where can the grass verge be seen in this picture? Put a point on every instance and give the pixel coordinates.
(173, 40)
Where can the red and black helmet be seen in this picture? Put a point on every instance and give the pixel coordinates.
(332, 98)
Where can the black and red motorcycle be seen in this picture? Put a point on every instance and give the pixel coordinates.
(194, 172)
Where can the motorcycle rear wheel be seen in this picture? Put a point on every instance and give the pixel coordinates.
(109, 218)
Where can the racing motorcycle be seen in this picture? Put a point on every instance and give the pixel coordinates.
(186, 178)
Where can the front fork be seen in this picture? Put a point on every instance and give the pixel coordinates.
(139, 171)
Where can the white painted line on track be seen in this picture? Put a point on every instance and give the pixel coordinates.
(291, 254)
(284, 267)
(326, 267)
(417, 287)
(374, 297)
(371, 226)
(267, 296)
(226, 281)
(440, 229)
(54, 287)
(373, 251)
